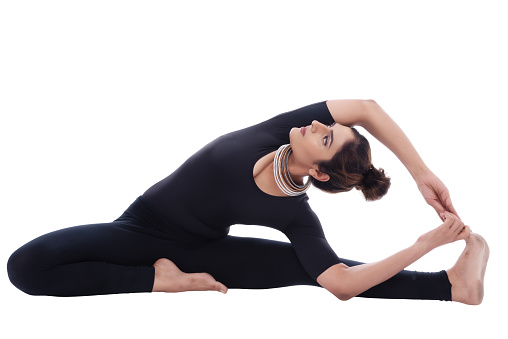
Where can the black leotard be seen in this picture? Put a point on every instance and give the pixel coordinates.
(215, 189)
(186, 217)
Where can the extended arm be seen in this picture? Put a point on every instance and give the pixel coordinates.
(347, 282)
(369, 115)
(384, 129)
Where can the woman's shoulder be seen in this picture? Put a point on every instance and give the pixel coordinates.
(304, 215)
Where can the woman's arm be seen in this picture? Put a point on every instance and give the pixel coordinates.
(384, 129)
(369, 115)
(347, 282)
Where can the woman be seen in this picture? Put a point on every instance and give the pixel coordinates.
(257, 176)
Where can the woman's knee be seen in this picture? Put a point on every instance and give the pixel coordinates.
(24, 269)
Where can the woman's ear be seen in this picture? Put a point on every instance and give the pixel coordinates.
(318, 175)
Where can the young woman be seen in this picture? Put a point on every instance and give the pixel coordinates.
(257, 175)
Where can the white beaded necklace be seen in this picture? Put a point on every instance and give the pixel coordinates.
(281, 173)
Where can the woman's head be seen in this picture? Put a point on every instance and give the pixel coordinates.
(339, 165)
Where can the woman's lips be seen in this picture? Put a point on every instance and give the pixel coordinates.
(302, 130)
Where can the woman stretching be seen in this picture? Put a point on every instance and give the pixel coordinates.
(174, 237)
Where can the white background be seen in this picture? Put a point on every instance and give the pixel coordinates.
(101, 99)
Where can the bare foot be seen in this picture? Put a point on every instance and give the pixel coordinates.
(467, 275)
(169, 278)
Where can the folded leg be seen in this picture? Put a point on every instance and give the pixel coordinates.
(85, 260)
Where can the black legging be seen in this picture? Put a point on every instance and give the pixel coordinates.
(117, 257)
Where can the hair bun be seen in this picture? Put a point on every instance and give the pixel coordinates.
(369, 178)
(374, 184)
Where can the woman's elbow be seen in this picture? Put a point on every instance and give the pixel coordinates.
(336, 280)
(369, 101)
(343, 296)
(369, 104)
(344, 293)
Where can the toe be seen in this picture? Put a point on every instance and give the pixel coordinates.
(221, 287)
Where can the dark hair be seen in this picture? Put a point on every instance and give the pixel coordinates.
(351, 167)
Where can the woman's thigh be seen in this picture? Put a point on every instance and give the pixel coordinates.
(89, 259)
(109, 242)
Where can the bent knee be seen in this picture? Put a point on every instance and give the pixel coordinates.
(23, 271)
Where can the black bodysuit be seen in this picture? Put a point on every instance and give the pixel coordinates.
(186, 218)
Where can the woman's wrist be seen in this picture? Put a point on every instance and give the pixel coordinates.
(423, 245)
(419, 172)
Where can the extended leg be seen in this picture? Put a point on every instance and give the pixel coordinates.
(243, 262)
(410, 285)
(468, 272)
(240, 262)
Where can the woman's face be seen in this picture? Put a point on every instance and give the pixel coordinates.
(318, 142)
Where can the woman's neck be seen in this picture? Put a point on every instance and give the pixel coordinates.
(296, 170)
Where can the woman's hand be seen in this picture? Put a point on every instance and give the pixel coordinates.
(451, 230)
(435, 194)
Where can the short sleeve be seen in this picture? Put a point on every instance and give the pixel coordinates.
(280, 125)
(308, 239)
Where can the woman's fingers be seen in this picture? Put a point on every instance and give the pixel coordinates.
(452, 209)
(454, 229)
(458, 230)
(441, 215)
(464, 234)
(448, 218)
(457, 226)
(446, 202)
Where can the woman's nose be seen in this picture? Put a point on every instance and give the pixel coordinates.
(316, 126)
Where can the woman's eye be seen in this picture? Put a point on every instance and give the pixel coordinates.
(325, 139)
